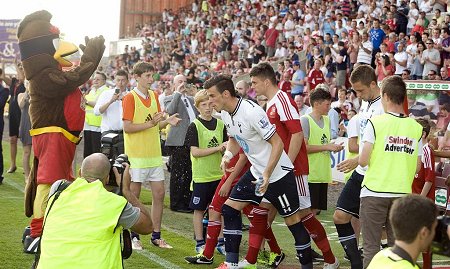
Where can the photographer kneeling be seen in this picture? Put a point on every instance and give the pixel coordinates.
(413, 220)
(83, 222)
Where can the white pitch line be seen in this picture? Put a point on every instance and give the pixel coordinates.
(12, 197)
(153, 257)
(15, 185)
(164, 263)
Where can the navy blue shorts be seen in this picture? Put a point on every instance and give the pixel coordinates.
(282, 194)
(349, 199)
(202, 194)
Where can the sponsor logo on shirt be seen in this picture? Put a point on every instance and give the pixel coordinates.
(400, 144)
(242, 143)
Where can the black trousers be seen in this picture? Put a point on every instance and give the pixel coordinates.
(180, 177)
(91, 142)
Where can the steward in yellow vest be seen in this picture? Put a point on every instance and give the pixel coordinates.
(206, 138)
(317, 130)
(84, 221)
(73, 240)
(391, 145)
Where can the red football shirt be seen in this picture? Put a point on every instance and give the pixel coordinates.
(315, 77)
(285, 86)
(282, 111)
(426, 173)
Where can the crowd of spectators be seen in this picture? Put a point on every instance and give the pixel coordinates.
(312, 42)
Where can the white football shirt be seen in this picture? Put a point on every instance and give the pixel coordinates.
(367, 111)
(250, 126)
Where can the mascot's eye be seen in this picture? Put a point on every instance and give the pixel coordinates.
(56, 43)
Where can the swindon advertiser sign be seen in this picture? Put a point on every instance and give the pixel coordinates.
(9, 47)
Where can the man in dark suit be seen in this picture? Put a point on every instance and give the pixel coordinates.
(180, 173)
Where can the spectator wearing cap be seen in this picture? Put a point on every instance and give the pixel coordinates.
(298, 80)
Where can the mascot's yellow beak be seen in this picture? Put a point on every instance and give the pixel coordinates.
(63, 49)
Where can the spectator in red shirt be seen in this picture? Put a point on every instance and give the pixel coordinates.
(285, 83)
(390, 21)
(271, 36)
(423, 183)
(315, 76)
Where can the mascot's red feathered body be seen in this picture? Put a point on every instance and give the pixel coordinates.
(56, 108)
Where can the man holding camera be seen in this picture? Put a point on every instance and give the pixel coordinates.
(413, 220)
(84, 221)
(109, 106)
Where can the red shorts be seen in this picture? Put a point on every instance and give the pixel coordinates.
(218, 201)
(55, 154)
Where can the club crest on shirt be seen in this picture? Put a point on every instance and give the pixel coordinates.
(263, 123)
(272, 112)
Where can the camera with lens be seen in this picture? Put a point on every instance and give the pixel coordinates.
(110, 147)
(441, 241)
(119, 163)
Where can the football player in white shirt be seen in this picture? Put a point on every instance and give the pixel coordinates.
(272, 170)
(364, 82)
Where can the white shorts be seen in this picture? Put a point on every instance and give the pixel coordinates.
(303, 192)
(147, 174)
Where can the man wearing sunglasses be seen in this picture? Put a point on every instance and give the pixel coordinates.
(431, 58)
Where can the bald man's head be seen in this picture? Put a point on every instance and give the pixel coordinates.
(95, 166)
(242, 88)
(178, 79)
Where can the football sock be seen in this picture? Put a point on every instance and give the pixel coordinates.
(212, 233)
(302, 244)
(232, 232)
(347, 239)
(257, 231)
(317, 233)
(272, 241)
(156, 235)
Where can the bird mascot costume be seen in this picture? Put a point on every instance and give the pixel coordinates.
(56, 109)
